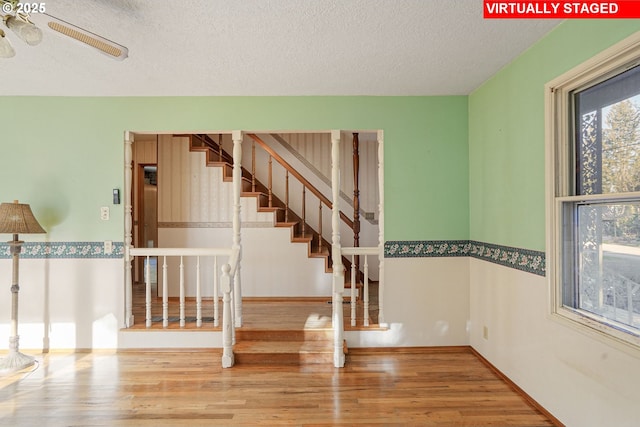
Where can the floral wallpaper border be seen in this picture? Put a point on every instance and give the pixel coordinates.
(520, 259)
(64, 250)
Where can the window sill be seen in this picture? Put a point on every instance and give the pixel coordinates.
(589, 326)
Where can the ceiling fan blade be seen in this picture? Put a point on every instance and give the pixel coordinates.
(105, 46)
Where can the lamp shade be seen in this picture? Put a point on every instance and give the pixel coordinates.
(17, 218)
(6, 50)
(28, 32)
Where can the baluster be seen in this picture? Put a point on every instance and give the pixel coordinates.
(165, 293)
(304, 210)
(320, 227)
(198, 295)
(234, 319)
(182, 318)
(286, 196)
(147, 282)
(366, 290)
(215, 292)
(253, 167)
(353, 290)
(356, 196)
(270, 183)
(220, 148)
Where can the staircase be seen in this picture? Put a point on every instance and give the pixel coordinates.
(268, 336)
(293, 338)
(301, 232)
(284, 347)
(285, 332)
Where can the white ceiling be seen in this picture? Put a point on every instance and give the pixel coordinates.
(271, 47)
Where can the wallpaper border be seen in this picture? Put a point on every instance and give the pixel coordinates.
(521, 259)
(64, 250)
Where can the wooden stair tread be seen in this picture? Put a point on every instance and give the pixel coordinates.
(324, 334)
(316, 254)
(283, 347)
(280, 346)
(269, 209)
(286, 224)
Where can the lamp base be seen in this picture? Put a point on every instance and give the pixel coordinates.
(15, 361)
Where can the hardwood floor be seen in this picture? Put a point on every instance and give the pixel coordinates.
(257, 312)
(396, 387)
(377, 387)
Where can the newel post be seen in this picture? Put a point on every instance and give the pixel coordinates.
(356, 197)
(227, 321)
(128, 227)
(236, 135)
(336, 254)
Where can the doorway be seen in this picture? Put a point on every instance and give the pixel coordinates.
(147, 219)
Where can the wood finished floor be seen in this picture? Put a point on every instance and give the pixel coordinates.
(420, 387)
(257, 313)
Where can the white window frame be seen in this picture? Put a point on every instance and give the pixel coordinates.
(559, 176)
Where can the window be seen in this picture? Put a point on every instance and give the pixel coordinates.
(593, 164)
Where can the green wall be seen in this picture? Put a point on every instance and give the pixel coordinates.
(507, 131)
(455, 167)
(65, 155)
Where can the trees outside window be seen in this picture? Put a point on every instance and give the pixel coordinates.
(594, 146)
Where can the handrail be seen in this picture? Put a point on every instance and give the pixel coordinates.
(300, 178)
(180, 251)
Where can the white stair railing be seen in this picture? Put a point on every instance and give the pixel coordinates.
(232, 315)
(338, 251)
(363, 252)
(162, 254)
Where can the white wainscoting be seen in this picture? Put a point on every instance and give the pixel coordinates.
(579, 379)
(65, 303)
(426, 304)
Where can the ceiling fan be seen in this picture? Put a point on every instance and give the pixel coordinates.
(21, 18)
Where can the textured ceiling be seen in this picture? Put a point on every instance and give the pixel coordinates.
(271, 47)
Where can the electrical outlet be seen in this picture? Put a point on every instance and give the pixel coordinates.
(485, 333)
(108, 247)
(104, 213)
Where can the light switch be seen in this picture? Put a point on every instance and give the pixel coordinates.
(108, 247)
(104, 213)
